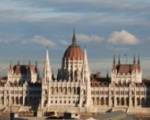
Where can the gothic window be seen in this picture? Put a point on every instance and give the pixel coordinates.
(17, 101)
(12, 99)
(133, 101)
(112, 100)
(118, 101)
(21, 100)
(2, 100)
(78, 90)
(102, 101)
(93, 99)
(74, 90)
(107, 100)
(127, 101)
(122, 101)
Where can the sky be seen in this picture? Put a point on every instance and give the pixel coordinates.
(105, 27)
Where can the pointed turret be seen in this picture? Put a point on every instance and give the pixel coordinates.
(138, 62)
(134, 60)
(47, 68)
(114, 61)
(119, 60)
(74, 41)
(87, 79)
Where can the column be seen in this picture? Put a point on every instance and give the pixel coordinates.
(110, 98)
(23, 98)
(130, 96)
(49, 94)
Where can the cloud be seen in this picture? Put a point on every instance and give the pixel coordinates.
(123, 37)
(43, 41)
(64, 42)
(89, 38)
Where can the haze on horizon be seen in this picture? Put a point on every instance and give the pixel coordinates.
(104, 27)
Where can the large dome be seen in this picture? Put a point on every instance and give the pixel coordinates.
(74, 52)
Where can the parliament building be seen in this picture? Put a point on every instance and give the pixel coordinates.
(74, 89)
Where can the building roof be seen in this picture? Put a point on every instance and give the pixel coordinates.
(127, 68)
(23, 69)
(74, 52)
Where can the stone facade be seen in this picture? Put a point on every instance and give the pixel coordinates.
(75, 89)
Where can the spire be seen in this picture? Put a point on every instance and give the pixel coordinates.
(47, 68)
(114, 61)
(87, 79)
(107, 75)
(134, 60)
(138, 60)
(10, 66)
(74, 42)
(119, 60)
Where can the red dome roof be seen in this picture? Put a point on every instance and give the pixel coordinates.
(74, 52)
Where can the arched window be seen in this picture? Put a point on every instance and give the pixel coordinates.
(17, 100)
(107, 100)
(12, 100)
(21, 100)
(118, 101)
(122, 101)
(102, 101)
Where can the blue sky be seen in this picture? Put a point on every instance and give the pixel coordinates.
(105, 27)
